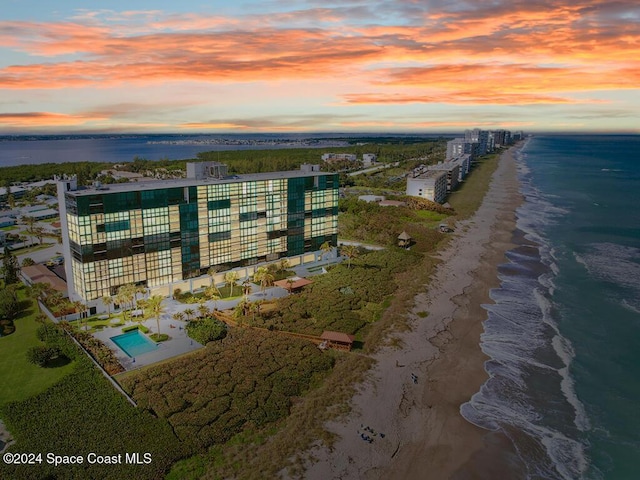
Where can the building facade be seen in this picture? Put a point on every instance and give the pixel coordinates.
(430, 184)
(457, 147)
(452, 170)
(481, 137)
(163, 233)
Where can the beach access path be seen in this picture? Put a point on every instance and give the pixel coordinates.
(405, 421)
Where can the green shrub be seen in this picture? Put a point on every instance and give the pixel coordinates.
(143, 329)
(41, 354)
(206, 330)
(53, 335)
(247, 379)
(159, 337)
(129, 328)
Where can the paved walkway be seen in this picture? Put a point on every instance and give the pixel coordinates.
(180, 343)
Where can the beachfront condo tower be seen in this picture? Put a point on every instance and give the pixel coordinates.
(164, 235)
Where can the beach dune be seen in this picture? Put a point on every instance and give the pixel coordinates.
(405, 421)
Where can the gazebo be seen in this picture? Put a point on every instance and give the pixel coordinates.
(337, 340)
(404, 239)
(293, 283)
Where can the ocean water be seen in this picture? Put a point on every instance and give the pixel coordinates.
(564, 332)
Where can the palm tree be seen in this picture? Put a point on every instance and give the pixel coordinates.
(212, 272)
(189, 313)
(265, 277)
(125, 297)
(107, 301)
(137, 289)
(41, 318)
(29, 222)
(350, 251)
(154, 304)
(178, 316)
(231, 278)
(203, 311)
(326, 249)
(284, 265)
(253, 308)
(246, 288)
(39, 291)
(212, 293)
(241, 310)
(81, 308)
(290, 282)
(38, 232)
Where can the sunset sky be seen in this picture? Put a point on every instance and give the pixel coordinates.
(295, 65)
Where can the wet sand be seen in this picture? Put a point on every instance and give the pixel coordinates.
(405, 422)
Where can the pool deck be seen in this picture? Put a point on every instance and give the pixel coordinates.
(178, 344)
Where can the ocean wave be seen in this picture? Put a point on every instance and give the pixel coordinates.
(613, 263)
(530, 394)
(627, 304)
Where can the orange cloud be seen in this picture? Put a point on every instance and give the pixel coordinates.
(43, 119)
(532, 52)
(436, 124)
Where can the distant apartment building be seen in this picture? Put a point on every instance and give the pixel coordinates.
(481, 137)
(458, 147)
(369, 159)
(163, 234)
(429, 184)
(464, 164)
(452, 171)
(337, 157)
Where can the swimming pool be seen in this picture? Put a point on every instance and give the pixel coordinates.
(134, 343)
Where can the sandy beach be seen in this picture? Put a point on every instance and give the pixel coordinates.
(405, 421)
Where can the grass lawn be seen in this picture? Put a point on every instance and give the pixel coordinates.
(96, 323)
(20, 379)
(468, 197)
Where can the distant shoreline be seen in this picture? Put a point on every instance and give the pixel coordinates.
(424, 430)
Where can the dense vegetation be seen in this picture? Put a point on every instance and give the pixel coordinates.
(83, 413)
(206, 330)
(345, 300)
(239, 161)
(222, 400)
(362, 221)
(247, 379)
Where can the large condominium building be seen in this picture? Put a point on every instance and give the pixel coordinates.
(163, 235)
(429, 184)
(452, 170)
(460, 146)
(464, 163)
(481, 137)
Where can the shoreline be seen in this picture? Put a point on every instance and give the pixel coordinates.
(415, 427)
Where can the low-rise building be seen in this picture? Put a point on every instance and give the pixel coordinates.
(7, 222)
(42, 214)
(368, 159)
(336, 157)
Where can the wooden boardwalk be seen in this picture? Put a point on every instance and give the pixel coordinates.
(225, 317)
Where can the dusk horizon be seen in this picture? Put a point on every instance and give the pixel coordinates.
(318, 67)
